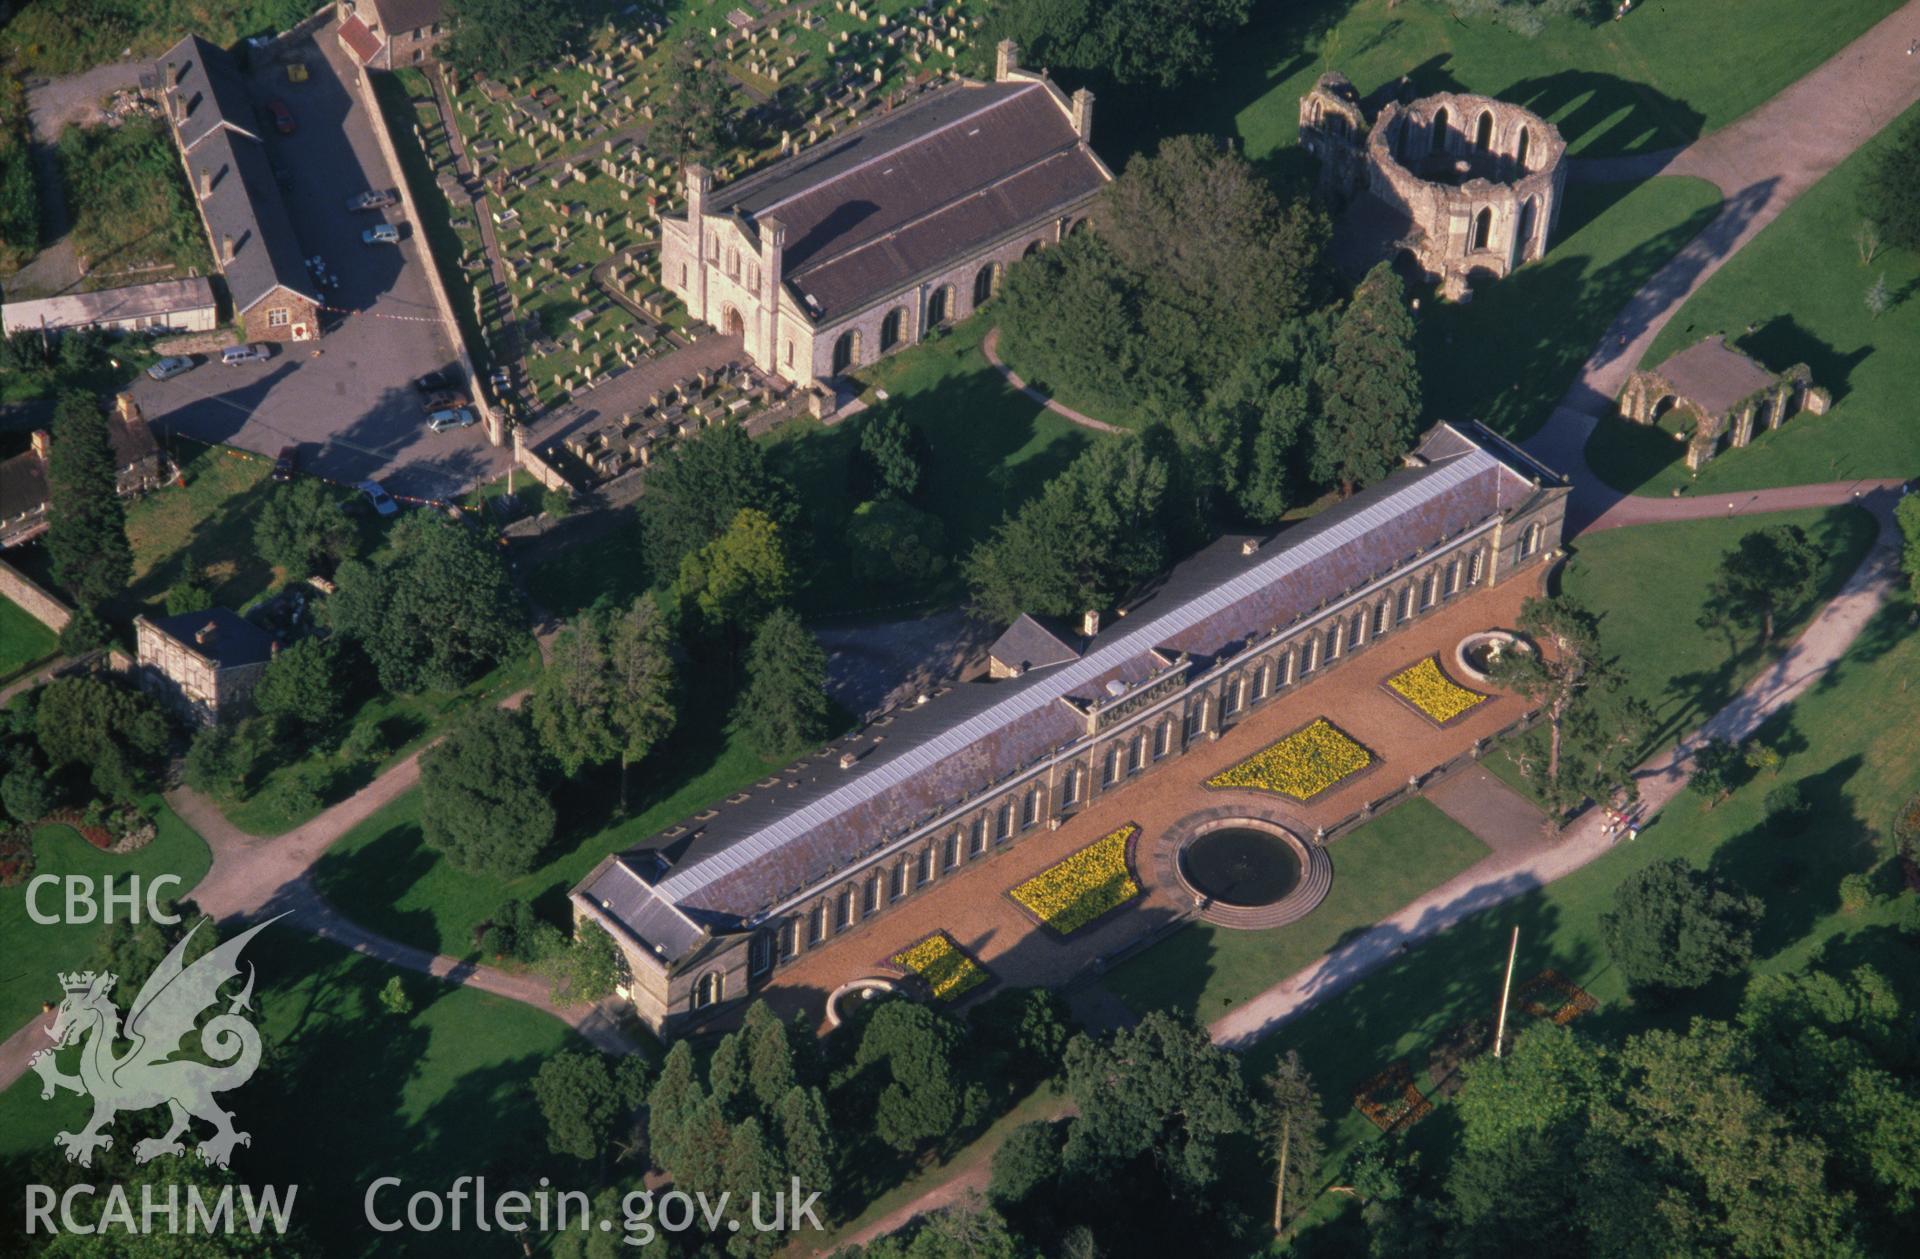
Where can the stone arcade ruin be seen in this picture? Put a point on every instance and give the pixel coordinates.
(1473, 184)
(1723, 397)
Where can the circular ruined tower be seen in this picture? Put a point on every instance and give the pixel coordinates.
(1479, 179)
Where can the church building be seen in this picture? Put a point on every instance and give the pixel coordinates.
(870, 239)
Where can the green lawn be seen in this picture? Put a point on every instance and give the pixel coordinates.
(1853, 746)
(1684, 672)
(210, 518)
(1617, 87)
(1506, 357)
(24, 642)
(1797, 294)
(992, 449)
(34, 952)
(1203, 970)
(383, 876)
(348, 1093)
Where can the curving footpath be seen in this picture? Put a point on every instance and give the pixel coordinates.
(1760, 163)
(990, 347)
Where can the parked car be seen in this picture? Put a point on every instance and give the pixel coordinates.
(373, 199)
(287, 463)
(458, 417)
(384, 234)
(168, 368)
(282, 117)
(381, 500)
(446, 400)
(435, 382)
(235, 355)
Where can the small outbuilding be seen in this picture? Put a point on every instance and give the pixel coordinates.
(1722, 396)
(163, 306)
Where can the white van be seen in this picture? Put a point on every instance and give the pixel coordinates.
(234, 355)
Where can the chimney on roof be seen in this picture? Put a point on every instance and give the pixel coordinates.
(847, 759)
(42, 442)
(180, 106)
(173, 75)
(1083, 114)
(206, 182)
(226, 247)
(125, 407)
(1006, 59)
(205, 633)
(1250, 546)
(1090, 622)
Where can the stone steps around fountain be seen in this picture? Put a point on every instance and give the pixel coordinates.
(1297, 904)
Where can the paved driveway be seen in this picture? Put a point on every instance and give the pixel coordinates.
(345, 399)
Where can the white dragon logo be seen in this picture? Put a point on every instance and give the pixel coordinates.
(165, 1013)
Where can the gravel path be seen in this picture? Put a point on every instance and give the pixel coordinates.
(1760, 163)
(990, 346)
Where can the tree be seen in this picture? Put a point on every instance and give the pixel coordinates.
(1907, 514)
(302, 684)
(503, 38)
(608, 690)
(894, 542)
(890, 461)
(303, 529)
(1548, 1078)
(434, 611)
(752, 1170)
(1095, 531)
(1160, 43)
(1674, 927)
(86, 630)
(734, 581)
(1025, 1028)
(1888, 193)
(1369, 386)
(587, 1101)
(394, 999)
(481, 798)
(117, 733)
(133, 950)
(1768, 575)
(1026, 1162)
(1160, 1088)
(1560, 679)
(700, 118)
(784, 706)
(26, 793)
(86, 522)
(590, 968)
(700, 486)
(1879, 298)
(1716, 768)
(769, 1058)
(1294, 1122)
(917, 1050)
(807, 1140)
(671, 1101)
(192, 592)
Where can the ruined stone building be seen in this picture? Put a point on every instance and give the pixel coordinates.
(865, 242)
(707, 910)
(1469, 184)
(204, 665)
(1719, 397)
(234, 189)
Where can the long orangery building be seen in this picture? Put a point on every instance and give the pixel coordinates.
(707, 910)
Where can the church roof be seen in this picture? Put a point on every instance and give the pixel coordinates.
(816, 818)
(1714, 375)
(868, 211)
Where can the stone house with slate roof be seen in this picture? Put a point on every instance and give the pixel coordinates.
(202, 664)
(708, 909)
(233, 186)
(863, 243)
(1725, 397)
(390, 34)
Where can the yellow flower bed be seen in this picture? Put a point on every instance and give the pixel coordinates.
(939, 961)
(1072, 893)
(1433, 692)
(1302, 765)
